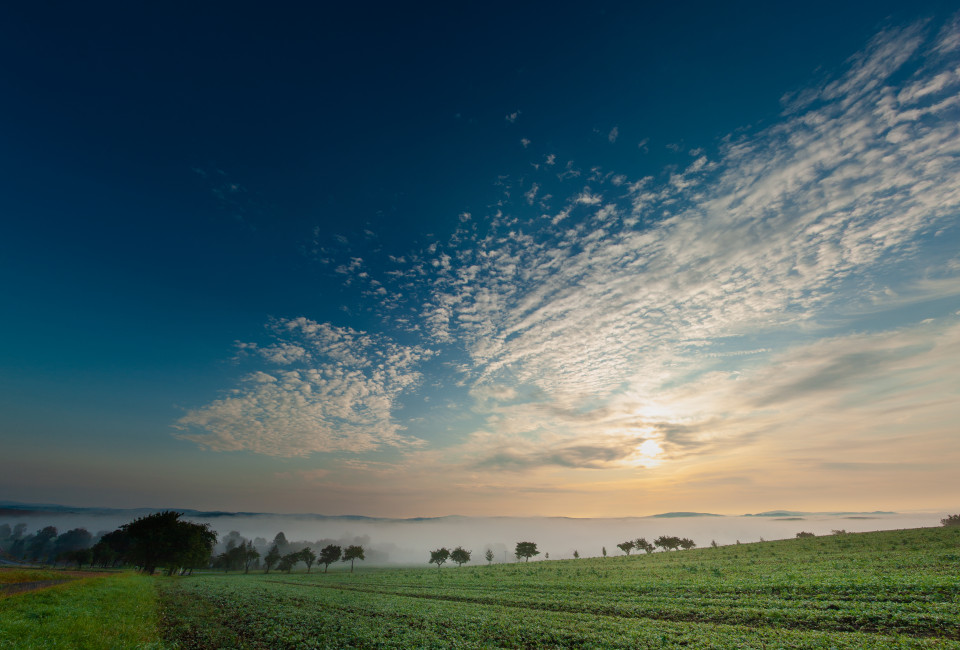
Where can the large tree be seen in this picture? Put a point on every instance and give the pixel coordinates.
(164, 540)
(353, 553)
(626, 547)
(526, 550)
(111, 549)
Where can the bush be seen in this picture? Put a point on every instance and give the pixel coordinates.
(804, 533)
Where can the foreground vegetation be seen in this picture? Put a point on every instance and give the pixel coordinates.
(887, 589)
(894, 589)
(101, 611)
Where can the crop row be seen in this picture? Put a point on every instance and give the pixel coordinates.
(287, 615)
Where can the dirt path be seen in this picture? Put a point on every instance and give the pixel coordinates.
(21, 587)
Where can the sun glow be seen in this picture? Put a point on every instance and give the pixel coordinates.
(647, 455)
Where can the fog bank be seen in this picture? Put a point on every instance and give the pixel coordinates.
(409, 541)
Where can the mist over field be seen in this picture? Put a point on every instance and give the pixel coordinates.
(409, 541)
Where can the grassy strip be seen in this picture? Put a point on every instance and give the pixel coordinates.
(104, 612)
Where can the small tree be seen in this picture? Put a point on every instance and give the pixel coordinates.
(271, 558)
(42, 543)
(280, 541)
(489, 556)
(79, 556)
(626, 547)
(328, 555)
(460, 556)
(439, 556)
(686, 544)
(604, 551)
(288, 561)
(353, 553)
(308, 557)
(667, 543)
(526, 550)
(641, 544)
(250, 555)
(576, 555)
(951, 520)
(804, 533)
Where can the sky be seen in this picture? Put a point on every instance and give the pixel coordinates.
(601, 260)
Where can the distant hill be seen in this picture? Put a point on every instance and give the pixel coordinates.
(669, 515)
(794, 513)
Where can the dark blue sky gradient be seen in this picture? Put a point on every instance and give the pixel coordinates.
(172, 176)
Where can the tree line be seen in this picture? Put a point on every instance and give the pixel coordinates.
(165, 541)
(666, 542)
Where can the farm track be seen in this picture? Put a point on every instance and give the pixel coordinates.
(23, 587)
(753, 617)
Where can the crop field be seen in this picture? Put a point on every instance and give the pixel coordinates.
(880, 590)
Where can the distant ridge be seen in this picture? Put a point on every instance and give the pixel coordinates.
(16, 508)
(794, 513)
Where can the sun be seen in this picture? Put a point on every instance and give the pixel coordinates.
(648, 454)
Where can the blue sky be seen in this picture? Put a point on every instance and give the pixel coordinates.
(599, 260)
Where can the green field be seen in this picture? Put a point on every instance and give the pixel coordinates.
(880, 590)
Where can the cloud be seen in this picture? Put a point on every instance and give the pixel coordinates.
(606, 310)
(333, 389)
(512, 117)
(650, 320)
(613, 135)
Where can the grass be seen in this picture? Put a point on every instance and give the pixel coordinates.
(115, 611)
